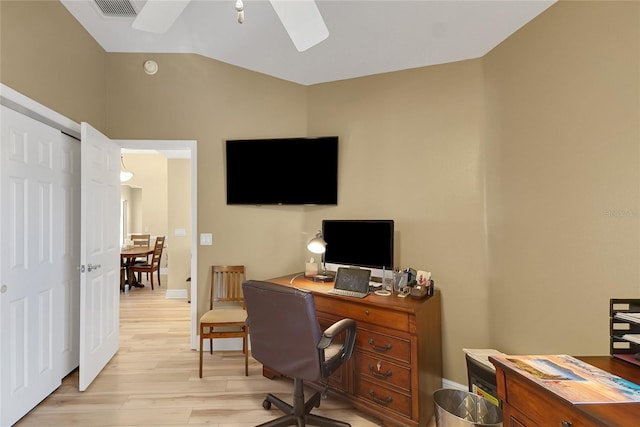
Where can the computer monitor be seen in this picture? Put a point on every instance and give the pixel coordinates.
(359, 243)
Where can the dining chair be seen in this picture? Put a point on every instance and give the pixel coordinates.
(153, 264)
(227, 314)
(140, 240)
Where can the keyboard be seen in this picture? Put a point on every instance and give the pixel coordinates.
(345, 293)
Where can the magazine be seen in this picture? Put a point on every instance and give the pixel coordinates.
(574, 380)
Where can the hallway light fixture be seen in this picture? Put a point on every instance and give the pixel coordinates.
(125, 174)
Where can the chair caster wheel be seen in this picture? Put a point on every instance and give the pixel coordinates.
(266, 404)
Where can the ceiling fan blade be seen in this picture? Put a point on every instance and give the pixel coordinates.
(157, 16)
(303, 22)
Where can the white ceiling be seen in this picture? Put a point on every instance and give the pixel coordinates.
(365, 37)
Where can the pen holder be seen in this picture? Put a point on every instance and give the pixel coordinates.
(400, 282)
(387, 284)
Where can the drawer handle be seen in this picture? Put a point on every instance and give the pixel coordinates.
(386, 401)
(567, 423)
(380, 349)
(376, 372)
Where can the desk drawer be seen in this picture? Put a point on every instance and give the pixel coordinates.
(362, 312)
(541, 408)
(384, 397)
(381, 370)
(385, 345)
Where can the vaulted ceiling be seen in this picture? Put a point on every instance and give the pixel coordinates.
(365, 37)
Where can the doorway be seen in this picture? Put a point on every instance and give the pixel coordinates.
(185, 150)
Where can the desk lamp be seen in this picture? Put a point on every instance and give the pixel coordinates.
(317, 245)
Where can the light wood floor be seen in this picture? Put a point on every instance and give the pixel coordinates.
(153, 379)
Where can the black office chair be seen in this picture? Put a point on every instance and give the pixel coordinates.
(286, 337)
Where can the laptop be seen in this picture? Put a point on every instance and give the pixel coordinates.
(351, 282)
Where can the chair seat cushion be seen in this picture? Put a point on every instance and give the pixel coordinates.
(141, 264)
(224, 315)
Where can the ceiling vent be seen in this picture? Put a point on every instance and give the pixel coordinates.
(116, 8)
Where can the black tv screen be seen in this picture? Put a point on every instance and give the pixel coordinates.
(283, 171)
(362, 243)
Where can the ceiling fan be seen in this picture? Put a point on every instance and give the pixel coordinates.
(300, 18)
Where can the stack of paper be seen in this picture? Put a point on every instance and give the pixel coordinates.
(482, 355)
(629, 317)
(632, 337)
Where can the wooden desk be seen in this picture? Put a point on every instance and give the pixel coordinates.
(526, 403)
(397, 360)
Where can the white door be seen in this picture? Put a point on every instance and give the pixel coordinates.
(31, 314)
(67, 243)
(99, 253)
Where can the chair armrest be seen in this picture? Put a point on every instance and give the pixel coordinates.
(344, 325)
(335, 329)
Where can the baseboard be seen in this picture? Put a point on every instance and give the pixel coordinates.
(176, 294)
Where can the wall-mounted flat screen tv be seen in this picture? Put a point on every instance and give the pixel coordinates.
(282, 171)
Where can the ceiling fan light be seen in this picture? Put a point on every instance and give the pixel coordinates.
(303, 22)
(157, 16)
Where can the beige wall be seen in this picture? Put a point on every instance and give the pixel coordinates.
(411, 149)
(563, 99)
(150, 175)
(179, 217)
(195, 98)
(134, 207)
(542, 134)
(133, 197)
(48, 56)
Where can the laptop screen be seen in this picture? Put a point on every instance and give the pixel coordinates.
(353, 279)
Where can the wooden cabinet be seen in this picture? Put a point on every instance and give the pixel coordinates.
(397, 360)
(528, 404)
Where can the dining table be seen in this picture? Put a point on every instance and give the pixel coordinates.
(128, 255)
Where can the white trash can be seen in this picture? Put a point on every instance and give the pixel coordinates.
(457, 408)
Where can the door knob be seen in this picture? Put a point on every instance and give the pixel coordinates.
(92, 267)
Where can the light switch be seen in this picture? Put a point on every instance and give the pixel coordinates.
(180, 232)
(206, 239)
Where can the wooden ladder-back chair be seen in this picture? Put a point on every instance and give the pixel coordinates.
(141, 240)
(154, 264)
(227, 314)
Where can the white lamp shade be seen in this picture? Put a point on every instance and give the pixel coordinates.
(125, 176)
(317, 245)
